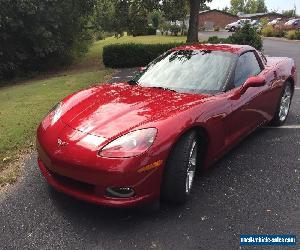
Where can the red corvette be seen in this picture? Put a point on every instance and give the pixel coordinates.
(125, 144)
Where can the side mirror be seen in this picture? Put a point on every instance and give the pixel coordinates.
(253, 82)
(141, 69)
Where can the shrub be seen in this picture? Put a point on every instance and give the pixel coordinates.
(293, 35)
(138, 55)
(279, 32)
(133, 55)
(164, 27)
(151, 31)
(244, 36)
(216, 28)
(264, 22)
(37, 35)
(247, 35)
(216, 40)
(101, 35)
(175, 29)
(270, 31)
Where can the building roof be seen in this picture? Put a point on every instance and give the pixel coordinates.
(215, 10)
(240, 14)
(232, 48)
(243, 15)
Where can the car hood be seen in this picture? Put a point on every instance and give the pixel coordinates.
(112, 109)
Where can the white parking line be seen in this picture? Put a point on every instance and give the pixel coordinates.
(297, 88)
(287, 126)
(116, 77)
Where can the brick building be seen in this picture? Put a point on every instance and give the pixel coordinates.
(211, 18)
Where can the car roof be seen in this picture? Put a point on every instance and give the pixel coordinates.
(232, 48)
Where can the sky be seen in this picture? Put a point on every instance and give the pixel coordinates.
(277, 5)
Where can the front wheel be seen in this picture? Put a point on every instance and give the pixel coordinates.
(284, 106)
(180, 169)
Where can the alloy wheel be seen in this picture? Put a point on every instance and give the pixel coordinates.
(285, 103)
(191, 167)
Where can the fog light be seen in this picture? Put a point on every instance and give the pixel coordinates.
(119, 192)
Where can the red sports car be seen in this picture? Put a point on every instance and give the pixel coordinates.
(130, 143)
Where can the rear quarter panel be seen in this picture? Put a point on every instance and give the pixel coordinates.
(277, 71)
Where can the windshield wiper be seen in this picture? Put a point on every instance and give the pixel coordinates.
(132, 82)
(163, 88)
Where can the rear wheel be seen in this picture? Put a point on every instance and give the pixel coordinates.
(180, 169)
(284, 106)
(232, 29)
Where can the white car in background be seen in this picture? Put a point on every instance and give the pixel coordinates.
(232, 27)
(275, 22)
(256, 24)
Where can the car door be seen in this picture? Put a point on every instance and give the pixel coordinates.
(248, 110)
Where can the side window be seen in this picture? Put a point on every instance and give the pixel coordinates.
(247, 66)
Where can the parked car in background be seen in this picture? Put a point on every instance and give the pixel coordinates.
(256, 24)
(275, 22)
(293, 24)
(232, 27)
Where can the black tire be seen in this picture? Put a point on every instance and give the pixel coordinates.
(277, 121)
(176, 169)
(232, 29)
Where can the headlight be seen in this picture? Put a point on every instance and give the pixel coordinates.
(55, 113)
(131, 144)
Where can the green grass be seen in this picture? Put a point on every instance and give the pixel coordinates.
(23, 105)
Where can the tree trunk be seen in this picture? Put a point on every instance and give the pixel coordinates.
(192, 36)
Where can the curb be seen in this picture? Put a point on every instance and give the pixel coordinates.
(281, 39)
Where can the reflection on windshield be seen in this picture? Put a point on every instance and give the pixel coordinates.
(191, 71)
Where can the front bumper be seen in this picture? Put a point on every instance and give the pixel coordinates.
(90, 193)
(90, 183)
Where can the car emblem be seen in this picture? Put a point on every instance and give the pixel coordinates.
(61, 143)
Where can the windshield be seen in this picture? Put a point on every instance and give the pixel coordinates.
(190, 71)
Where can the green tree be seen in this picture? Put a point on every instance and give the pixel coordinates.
(289, 13)
(261, 6)
(204, 6)
(155, 18)
(35, 35)
(104, 13)
(248, 6)
(121, 17)
(175, 9)
(247, 35)
(138, 21)
(237, 6)
(251, 6)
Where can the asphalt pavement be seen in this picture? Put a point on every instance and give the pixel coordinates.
(254, 189)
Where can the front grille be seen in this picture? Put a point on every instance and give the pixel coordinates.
(73, 184)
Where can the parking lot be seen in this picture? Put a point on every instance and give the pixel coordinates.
(252, 190)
